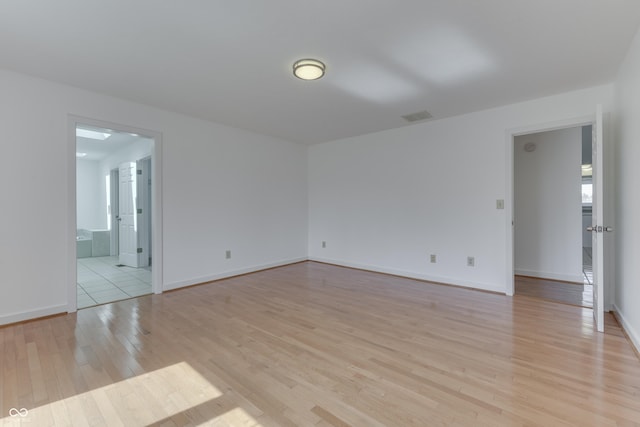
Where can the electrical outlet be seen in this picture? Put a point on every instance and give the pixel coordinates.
(471, 261)
(433, 258)
(500, 204)
(324, 244)
(227, 254)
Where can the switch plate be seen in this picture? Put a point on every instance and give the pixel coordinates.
(471, 261)
(227, 254)
(432, 258)
(324, 244)
(500, 204)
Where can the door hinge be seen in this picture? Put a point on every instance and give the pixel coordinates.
(139, 250)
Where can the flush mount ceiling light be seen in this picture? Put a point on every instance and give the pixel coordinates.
(308, 69)
(92, 134)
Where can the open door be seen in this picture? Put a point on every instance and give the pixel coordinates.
(597, 225)
(128, 218)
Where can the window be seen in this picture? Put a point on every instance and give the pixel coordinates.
(587, 193)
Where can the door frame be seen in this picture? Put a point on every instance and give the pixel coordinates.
(146, 200)
(156, 210)
(509, 191)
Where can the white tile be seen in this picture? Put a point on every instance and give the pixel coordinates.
(137, 289)
(110, 297)
(99, 279)
(136, 292)
(85, 301)
(129, 283)
(96, 280)
(94, 293)
(97, 287)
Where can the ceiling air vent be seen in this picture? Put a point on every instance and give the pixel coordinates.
(416, 117)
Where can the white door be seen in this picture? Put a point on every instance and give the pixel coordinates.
(128, 221)
(597, 225)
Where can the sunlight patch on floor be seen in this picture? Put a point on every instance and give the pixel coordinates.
(142, 400)
(235, 417)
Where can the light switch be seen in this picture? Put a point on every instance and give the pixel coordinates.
(500, 204)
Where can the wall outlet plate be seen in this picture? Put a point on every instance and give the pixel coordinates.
(227, 254)
(471, 261)
(500, 204)
(432, 258)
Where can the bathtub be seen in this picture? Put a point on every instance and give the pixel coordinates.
(83, 243)
(92, 243)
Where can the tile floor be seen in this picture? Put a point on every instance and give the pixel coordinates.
(100, 281)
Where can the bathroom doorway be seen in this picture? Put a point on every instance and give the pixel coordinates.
(113, 215)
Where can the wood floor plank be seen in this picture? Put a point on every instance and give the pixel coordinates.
(580, 294)
(317, 345)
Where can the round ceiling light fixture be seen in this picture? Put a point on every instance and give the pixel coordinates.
(308, 69)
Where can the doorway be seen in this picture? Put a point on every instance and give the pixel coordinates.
(117, 210)
(551, 255)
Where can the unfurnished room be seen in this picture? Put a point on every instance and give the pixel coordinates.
(285, 213)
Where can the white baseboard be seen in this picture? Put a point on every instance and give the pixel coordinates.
(633, 335)
(414, 275)
(32, 314)
(227, 274)
(550, 276)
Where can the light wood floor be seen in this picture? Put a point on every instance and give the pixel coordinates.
(552, 290)
(317, 345)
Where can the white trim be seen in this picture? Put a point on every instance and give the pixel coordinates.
(33, 314)
(510, 134)
(72, 218)
(414, 275)
(156, 214)
(230, 273)
(551, 276)
(509, 282)
(634, 336)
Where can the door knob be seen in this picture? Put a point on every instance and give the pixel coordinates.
(599, 229)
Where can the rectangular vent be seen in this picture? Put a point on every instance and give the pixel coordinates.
(416, 117)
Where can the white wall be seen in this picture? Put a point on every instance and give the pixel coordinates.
(223, 188)
(627, 228)
(383, 201)
(88, 192)
(386, 201)
(548, 205)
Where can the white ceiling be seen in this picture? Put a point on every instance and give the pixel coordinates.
(98, 150)
(230, 60)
